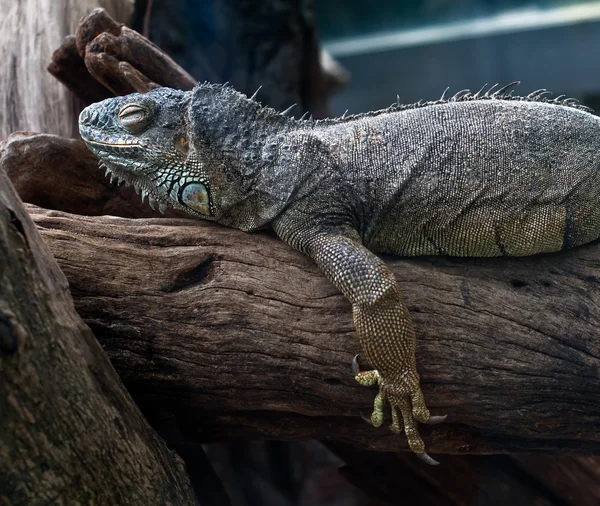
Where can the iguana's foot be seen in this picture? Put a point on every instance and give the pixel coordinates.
(408, 399)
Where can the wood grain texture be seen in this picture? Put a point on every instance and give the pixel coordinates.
(69, 431)
(105, 58)
(230, 335)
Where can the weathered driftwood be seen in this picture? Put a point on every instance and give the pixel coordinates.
(69, 431)
(236, 335)
(116, 58)
(29, 32)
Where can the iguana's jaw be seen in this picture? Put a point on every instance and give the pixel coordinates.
(117, 151)
(118, 157)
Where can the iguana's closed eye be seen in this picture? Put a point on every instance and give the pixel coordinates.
(133, 116)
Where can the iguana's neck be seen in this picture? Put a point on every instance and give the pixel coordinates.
(249, 145)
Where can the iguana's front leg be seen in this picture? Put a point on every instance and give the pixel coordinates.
(384, 327)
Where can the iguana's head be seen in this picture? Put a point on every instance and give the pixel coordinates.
(199, 151)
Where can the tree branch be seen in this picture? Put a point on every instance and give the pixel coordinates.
(235, 335)
(106, 58)
(69, 431)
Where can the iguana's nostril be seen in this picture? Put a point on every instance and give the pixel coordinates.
(84, 117)
(89, 117)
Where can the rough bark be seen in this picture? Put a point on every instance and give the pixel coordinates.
(192, 314)
(220, 295)
(507, 348)
(116, 59)
(30, 98)
(69, 431)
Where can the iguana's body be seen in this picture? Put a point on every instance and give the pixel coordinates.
(467, 178)
(471, 176)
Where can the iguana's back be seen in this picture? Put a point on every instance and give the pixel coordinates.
(475, 177)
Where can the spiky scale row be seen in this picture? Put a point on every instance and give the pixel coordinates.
(154, 204)
(503, 93)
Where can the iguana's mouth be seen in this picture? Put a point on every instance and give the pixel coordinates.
(106, 142)
(124, 144)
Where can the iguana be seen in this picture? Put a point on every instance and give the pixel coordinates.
(483, 174)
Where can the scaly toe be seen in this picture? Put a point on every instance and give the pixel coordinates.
(396, 429)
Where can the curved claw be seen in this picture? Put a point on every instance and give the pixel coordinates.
(433, 420)
(366, 419)
(355, 366)
(427, 459)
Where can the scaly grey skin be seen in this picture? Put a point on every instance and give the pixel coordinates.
(484, 174)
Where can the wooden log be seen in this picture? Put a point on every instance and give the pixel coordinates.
(69, 431)
(232, 335)
(508, 347)
(41, 163)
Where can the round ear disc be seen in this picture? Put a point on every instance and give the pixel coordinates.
(195, 196)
